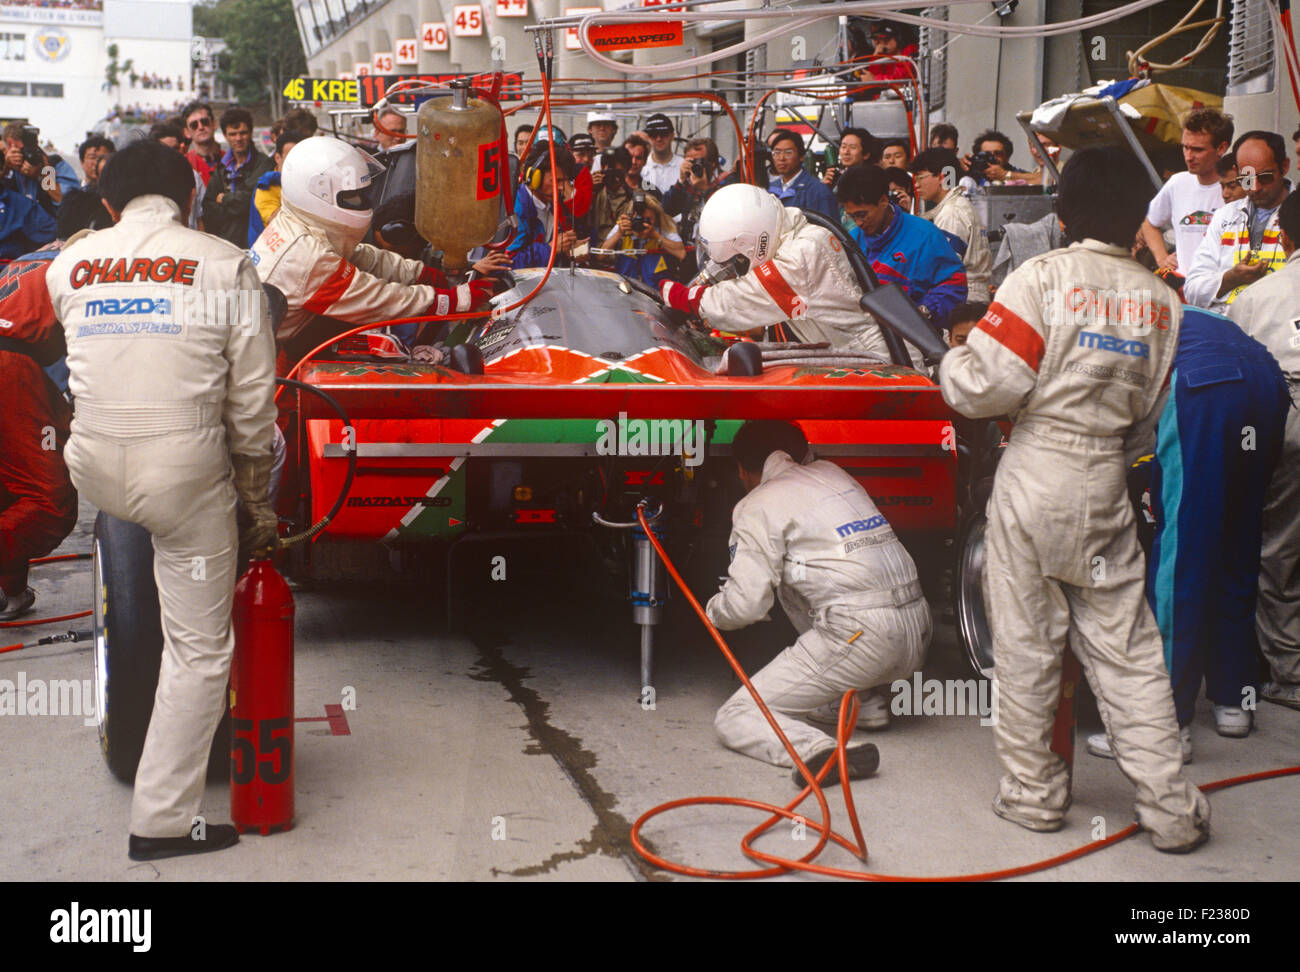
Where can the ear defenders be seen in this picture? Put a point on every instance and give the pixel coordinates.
(534, 174)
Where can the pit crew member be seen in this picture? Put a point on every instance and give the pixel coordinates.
(1269, 311)
(38, 505)
(167, 401)
(810, 534)
(1077, 349)
(794, 273)
(312, 252)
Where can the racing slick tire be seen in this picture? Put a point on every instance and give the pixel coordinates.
(128, 648)
(973, 630)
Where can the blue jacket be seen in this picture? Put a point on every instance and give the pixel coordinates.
(25, 224)
(255, 223)
(916, 255)
(530, 247)
(807, 192)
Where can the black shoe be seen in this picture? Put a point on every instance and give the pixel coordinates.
(863, 761)
(219, 837)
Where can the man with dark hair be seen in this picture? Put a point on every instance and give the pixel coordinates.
(944, 136)
(94, 152)
(301, 120)
(808, 532)
(963, 320)
(41, 177)
(201, 127)
(895, 153)
(169, 133)
(164, 411)
(230, 191)
(856, 145)
(936, 173)
(903, 249)
(266, 197)
(1187, 201)
(638, 150)
(542, 194)
(1242, 242)
(698, 180)
(793, 184)
(1269, 311)
(38, 504)
(1076, 349)
(1229, 182)
(994, 144)
(522, 135)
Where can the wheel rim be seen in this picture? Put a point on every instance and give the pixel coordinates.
(976, 639)
(101, 646)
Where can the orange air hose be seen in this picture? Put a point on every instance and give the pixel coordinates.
(848, 716)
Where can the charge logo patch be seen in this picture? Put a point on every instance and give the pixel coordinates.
(158, 270)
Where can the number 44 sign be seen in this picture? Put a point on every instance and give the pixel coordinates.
(512, 8)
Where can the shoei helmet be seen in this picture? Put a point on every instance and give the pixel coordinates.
(327, 181)
(739, 220)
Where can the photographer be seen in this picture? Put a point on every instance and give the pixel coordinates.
(699, 179)
(990, 160)
(29, 170)
(856, 145)
(631, 220)
(27, 222)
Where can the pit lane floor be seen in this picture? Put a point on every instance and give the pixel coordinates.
(517, 750)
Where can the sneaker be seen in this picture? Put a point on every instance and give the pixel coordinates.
(1283, 693)
(1099, 744)
(863, 761)
(1232, 721)
(873, 712)
(16, 606)
(1007, 812)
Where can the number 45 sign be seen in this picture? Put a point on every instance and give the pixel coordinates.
(467, 20)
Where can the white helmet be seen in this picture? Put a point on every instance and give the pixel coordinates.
(326, 181)
(739, 219)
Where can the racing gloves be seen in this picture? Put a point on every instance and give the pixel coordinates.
(432, 277)
(465, 297)
(258, 527)
(680, 297)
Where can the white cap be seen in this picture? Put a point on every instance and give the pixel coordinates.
(600, 116)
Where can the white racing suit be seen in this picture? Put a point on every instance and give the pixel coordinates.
(1077, 349)
(172, 362)
(329, 274)
(813, 535)
(1269, 311)
(957, 218)
(1225, 244)
(809, 285)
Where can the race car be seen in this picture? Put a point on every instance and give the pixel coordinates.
(554, 419)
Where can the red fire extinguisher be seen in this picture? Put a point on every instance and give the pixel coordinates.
(261, 702)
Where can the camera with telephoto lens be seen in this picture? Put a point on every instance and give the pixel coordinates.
(32, 153)
(980, 161)
(640, 223)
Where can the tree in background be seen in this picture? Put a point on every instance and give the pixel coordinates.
(114, 70)
(263, 52)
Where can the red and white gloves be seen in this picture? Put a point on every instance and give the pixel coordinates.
(680, 297)
(432, 277)
(463, 298)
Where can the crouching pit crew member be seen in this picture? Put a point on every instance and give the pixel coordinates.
(312, 252)
(1077, 349)
(165, 406)
(811, 534)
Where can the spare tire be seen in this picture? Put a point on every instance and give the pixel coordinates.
(968, 590)
(128, 648)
